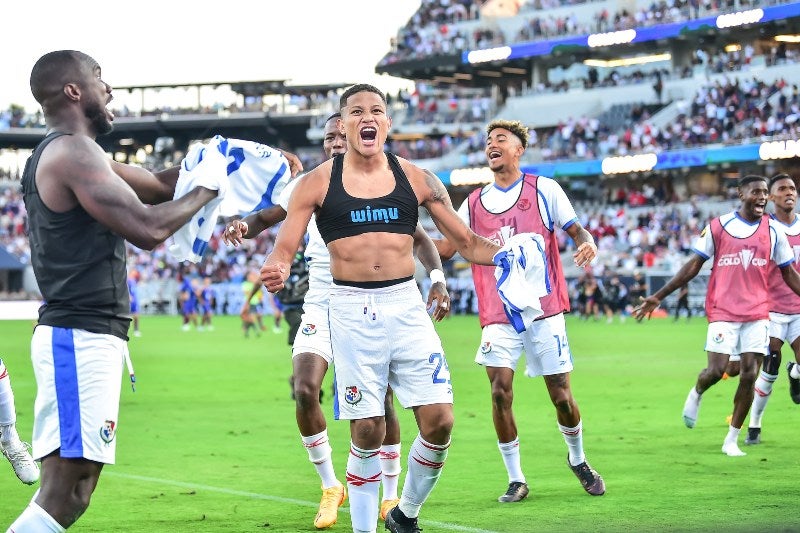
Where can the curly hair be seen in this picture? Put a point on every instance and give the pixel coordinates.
(514, 126)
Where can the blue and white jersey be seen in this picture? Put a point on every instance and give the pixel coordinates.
(248, 177)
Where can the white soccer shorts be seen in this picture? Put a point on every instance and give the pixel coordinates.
(784, 327)
(734, 338)
(382, 336)
(78, 378)
(314, 333)
(545, 345)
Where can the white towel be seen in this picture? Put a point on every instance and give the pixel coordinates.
(249, 176)
(521, 275)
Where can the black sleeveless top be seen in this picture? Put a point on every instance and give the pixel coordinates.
(342, 215)
(79, 263)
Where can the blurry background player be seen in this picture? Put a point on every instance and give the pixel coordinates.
(784, 316)
(292, 295)
(13, 448)
(616, 298)
(133, 292)
(683, 302)
(187, 298)
(276, 310)
(253, 301)
(205, 298)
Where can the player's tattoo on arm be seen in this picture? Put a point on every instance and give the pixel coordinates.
(438, 190)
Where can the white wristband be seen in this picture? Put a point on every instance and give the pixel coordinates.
(437, 276)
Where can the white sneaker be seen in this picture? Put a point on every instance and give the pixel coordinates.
(731, 449)
(20, 458)
(137, 333)
(691, 408)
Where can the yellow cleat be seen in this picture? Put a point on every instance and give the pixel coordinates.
(388, 505)
(332, 499)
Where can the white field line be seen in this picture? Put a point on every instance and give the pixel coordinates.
(258, 496)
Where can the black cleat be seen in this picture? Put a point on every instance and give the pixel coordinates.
(517, 491)
(397, 522)
(591, 480)
(794, 384)
(753, 436)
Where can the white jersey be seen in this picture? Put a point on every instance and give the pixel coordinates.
(317, 255)
(780, 250)
(555, 207)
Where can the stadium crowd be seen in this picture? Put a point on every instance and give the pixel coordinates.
(442, 27)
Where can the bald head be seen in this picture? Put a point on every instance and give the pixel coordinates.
(55, 69)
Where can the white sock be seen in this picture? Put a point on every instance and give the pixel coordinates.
(319, 453)
(34, 519)
(733, 435)
(425, 462)
(574, 439)
(391, 467)
(510, 453)
(363, 483)
(8, 414)
(795, 371)
(763, 390)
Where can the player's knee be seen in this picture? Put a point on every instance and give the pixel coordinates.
(438, 430)
(502, 395)
(564, 403)
(306, 392)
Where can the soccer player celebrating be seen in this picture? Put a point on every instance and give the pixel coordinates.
(742, 244)
(311, 350)
(516, 203)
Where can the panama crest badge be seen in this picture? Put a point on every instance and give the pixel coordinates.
(352, 395)
(108, 431)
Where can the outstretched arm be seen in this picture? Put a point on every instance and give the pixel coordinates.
(687, 272)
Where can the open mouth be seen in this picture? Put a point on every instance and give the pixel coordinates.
(494, 154)
(369, 133)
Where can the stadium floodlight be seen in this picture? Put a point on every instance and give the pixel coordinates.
(740, 18)
(629, 163)
(627, 61)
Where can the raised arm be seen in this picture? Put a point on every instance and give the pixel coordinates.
(425, 250)
(80, 169)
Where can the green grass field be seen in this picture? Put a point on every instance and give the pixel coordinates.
(208, 441)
